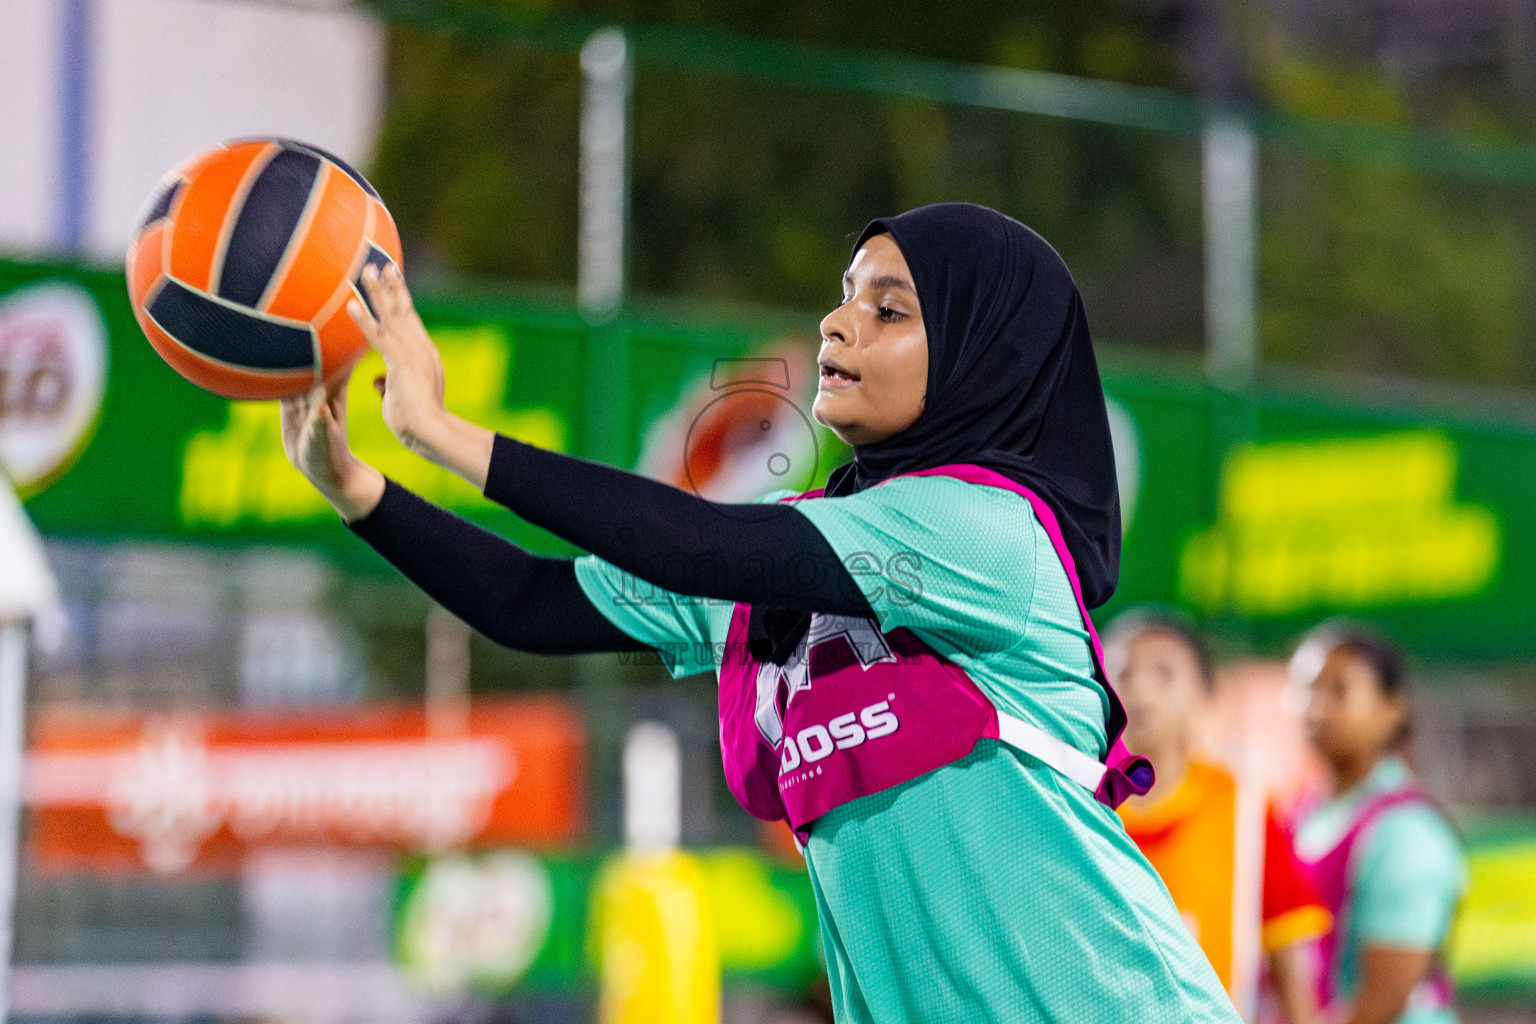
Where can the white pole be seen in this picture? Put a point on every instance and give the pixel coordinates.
(13, 688)
(27, 589)
(653, 789)
(1230, 180)
(1248, 884)
(447, 671)
(604, 200)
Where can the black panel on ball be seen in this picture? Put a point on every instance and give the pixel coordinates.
(346, 168)
(230, 335)
(376, 258)
(160, 206)
(266, 224)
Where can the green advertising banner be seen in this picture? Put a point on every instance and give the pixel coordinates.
(506, 920)
(1261, 514)
(1493, 945)
(1258, 512)
(156, 458)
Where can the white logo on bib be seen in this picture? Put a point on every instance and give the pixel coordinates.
(863, 635)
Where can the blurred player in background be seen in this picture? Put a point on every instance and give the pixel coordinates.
(1207, 839)
(1380, 852)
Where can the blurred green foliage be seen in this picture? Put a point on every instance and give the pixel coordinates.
(750, 192)
(745, 191)
(477, 155)
(1375, 269)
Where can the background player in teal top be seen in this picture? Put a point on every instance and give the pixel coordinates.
(993, 888)
(1405, 871)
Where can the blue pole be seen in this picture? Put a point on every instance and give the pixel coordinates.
(74, 123)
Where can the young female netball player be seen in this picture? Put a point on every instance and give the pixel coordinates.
(909, 676)
(1381, 854)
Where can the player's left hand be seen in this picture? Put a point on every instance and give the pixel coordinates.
(412, 384)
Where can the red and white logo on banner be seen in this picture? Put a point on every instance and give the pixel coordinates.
(171, 791)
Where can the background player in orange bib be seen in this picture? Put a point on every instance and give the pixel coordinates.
(1212, 842)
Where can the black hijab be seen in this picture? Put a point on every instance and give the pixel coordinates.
(1012, 382)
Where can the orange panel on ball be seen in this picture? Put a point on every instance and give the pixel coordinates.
(327, 250)
(145, 262)
(342, 343)
(203, 209)
(384, 233)
(221, 379)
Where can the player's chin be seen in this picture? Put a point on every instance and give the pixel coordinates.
(838, 413)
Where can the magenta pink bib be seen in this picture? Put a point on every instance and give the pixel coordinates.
(855, 711)
(1331, 875)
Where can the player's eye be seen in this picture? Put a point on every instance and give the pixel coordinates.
(888, 314)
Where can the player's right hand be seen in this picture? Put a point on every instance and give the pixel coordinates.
(315, 440)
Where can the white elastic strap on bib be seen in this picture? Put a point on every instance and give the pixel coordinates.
(1086, 771)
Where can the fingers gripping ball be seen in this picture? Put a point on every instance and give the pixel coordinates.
(243, 261)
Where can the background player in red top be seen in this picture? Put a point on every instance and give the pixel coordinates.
(1216, 844)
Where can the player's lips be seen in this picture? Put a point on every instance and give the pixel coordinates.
(835, 376)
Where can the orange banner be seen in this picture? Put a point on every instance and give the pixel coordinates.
(171, 791)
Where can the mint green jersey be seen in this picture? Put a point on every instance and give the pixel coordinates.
(994, 888)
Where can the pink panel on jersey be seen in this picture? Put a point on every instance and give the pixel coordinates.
(856, 711)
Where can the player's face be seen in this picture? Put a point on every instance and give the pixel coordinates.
(874, 349)
(1349, 718)
(1158, 678)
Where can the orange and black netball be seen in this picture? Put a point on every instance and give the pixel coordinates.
(243, 261)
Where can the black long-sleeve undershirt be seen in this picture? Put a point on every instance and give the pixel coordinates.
(768, 555)
(513, 597)
(758, 554)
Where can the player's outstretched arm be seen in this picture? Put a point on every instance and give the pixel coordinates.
(759, 554)
(512, 596)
